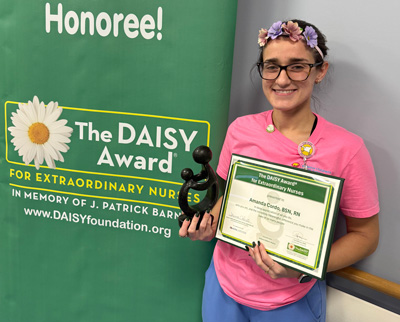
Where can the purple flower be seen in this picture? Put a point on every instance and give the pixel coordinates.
(311, 36)
(275, 30)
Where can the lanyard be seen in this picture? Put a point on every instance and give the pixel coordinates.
(306, 149)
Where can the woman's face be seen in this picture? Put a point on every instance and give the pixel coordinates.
(283, 93)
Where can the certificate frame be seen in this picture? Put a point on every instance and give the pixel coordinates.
(292, 211)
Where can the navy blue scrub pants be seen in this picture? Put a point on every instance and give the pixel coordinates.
(219, 307)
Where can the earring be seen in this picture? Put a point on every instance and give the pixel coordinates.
(317, 81)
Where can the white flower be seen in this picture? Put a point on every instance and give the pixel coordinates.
(38, 134)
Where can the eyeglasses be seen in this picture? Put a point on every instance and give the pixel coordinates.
(295, 72)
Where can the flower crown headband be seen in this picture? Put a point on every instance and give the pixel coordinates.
(292, 30)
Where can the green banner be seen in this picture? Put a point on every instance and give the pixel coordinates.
(104, 103)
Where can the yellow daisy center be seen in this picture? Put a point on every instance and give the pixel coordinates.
(38, 133)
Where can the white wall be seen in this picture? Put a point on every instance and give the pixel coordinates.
(342, 307)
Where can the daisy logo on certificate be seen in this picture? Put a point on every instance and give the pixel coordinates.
(38, 134)
(290, 246)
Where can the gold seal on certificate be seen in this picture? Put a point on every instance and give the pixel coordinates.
(291, 211)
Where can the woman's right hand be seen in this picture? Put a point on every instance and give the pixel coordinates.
(205, 231)
(208, 225)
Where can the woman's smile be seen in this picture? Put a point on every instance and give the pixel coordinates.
(284, 92)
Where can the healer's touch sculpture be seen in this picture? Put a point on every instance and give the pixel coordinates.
(206, 179)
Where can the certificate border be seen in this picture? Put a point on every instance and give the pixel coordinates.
(331, 211)
(327, 186)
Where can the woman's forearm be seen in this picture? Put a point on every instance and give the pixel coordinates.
(360, 241)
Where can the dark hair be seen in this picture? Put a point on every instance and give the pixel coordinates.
(321, 41)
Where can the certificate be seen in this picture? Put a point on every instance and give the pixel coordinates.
(291, 211)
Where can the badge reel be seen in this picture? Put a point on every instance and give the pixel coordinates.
(306, 150)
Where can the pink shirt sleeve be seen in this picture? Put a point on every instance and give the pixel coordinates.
(360, 192)
(225, 155)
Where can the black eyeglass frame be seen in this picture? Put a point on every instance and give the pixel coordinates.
(285, 69)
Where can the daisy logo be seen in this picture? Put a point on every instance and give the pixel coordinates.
(38, 134)
(290, 246)
(306, 149)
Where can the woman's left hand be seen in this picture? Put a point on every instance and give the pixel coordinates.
(266, 263)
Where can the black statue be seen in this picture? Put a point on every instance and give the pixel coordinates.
(206, 179)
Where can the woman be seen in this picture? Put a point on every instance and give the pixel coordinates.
(251, 286)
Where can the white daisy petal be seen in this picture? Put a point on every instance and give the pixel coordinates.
(55, 107)
(16, 131)
(23, 139)
(31, 112)
(37, 163)
(41, 112)
(60, 157)
(53, 116)
(12, 128)
(69, 129)
(62, 147)
(20, 124)
(23, 117)
(65, 130)
(49, 161)
(49, 149)
(25, 159)
(62, 131)
(35, 100)
(49, 109)
(21, 107)
(19, 142)
(26, 147)
(58, 146)
(57, 124)
(31, 154)
(39, 153)
(59, 138)
(68, 135)
(27, 111)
